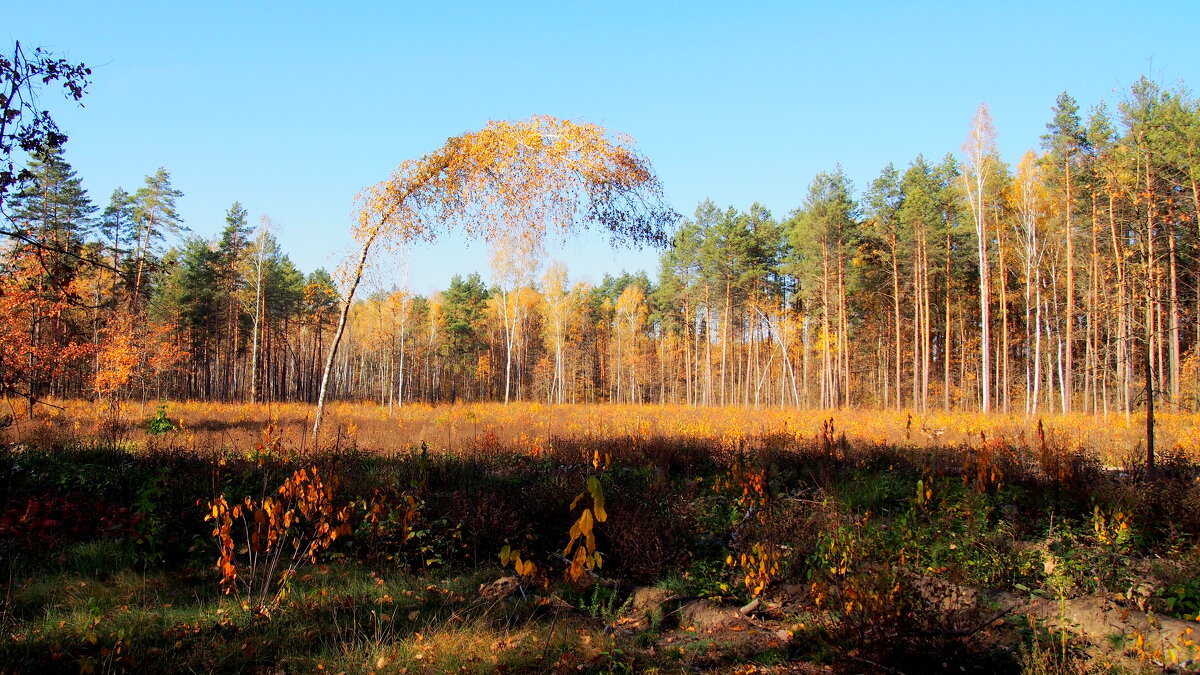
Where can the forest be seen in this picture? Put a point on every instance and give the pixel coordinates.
(908, 426)
(1066, 282)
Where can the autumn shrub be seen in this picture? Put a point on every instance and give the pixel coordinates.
(262, 542)
(652, 530)
(855, 594)
(792, 527)
(398, 529)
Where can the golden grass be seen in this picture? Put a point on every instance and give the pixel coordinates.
(1114, 438)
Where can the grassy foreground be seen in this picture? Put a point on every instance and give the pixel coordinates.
(536, 539)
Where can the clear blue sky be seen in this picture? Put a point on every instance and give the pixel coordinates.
(292, 108)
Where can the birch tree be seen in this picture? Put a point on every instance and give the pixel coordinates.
(262, 240)
(980, 148)
(1029, 201)
(532, 176)
(514, 265)
(555, 308)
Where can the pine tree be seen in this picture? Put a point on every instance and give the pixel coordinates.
(463, 305)
(117, 231)
(188, 294)
(677, 285)
(823, 233)
(53, 209)
(1065, 142)
(920, 220)
(232, 251)
(728, 257)
(882, 203)
(959, 266)
(155, 216)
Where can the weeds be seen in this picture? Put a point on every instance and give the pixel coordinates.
(160, 423)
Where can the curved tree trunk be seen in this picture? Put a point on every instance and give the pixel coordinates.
(337, 336)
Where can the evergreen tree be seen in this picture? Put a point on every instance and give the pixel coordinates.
(155, 216)
(117, 231)
(762, 268)
(284, 286)
(675, 299)
(53, 209)
(232, 250)
(187, 295)
(283, 300)
(611, 287)
(960, 267)
(235, 237)
(730, 263)
(882, 203)
(823, 233)
(319, 309)
(464, 303)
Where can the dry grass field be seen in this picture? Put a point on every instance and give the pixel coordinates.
(1114, 439)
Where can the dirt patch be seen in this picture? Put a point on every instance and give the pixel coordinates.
(1115, 627)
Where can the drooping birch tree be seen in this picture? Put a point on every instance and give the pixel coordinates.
(531, 176)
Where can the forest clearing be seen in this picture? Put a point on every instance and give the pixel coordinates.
(609, 538)
(502, 407)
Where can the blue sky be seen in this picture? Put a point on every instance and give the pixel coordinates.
(291, 108)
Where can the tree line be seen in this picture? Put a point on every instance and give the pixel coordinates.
(1067, 281)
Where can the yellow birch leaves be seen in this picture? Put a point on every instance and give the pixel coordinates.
(519, 178)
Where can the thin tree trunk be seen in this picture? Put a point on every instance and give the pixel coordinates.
(896, 313)
(946, 348)
(337, 335)
(826, 366)
(1069, 375)
(1003, 278)
(1123, 332)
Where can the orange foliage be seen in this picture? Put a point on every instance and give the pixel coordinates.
(582, 550)
(282, 532)
(117, 358)
(509, 179)
(36, 344)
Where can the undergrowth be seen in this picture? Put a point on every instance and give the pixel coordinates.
(111, 564)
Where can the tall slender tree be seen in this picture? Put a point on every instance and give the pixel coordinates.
(882, 203)
(1065, 142)
(980, 148)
